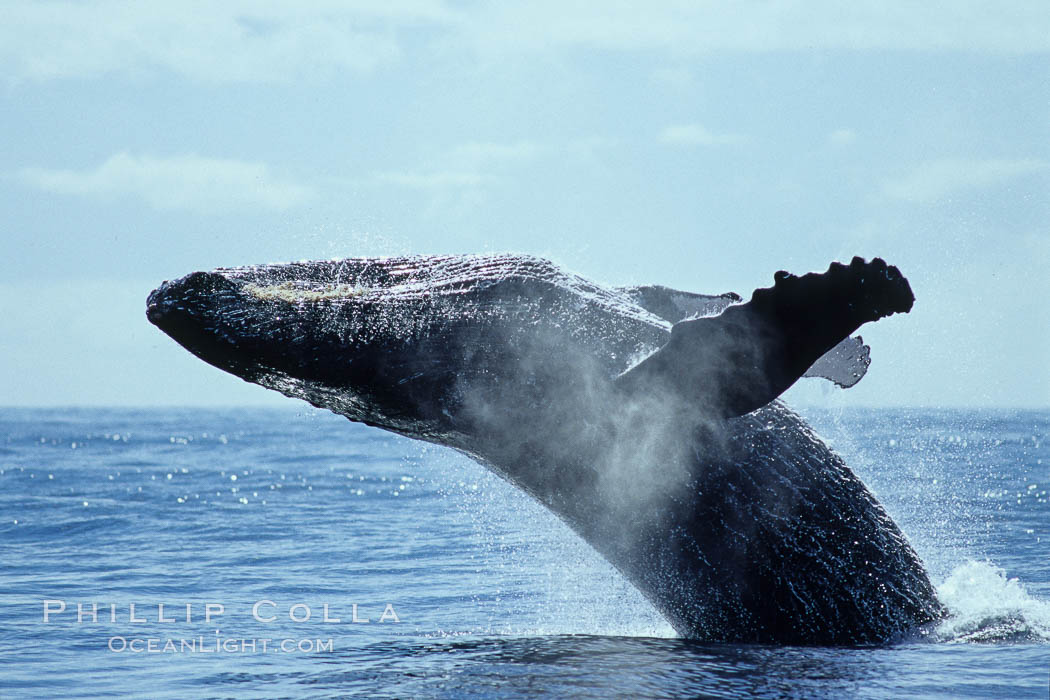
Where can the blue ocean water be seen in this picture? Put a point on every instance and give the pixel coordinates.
(287, 517)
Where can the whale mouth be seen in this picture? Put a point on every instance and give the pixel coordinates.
(251, 323)
(189, 296)
(199, 312)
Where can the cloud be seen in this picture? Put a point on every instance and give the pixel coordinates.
(486, 153)
(218, 42)
(690, 28)
(288, 40)
(697, 135)
(468, 165)
(588, 147)
(180, 182)
(938, 179)
(842, 137)
(463, 177)
(433, 180)
(680, 78)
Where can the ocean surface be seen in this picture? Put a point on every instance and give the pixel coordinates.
(251, 527)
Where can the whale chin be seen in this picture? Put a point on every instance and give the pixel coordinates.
(646, 418)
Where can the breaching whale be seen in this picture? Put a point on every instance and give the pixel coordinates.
(646, 418)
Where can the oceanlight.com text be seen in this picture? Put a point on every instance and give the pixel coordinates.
(217, 644)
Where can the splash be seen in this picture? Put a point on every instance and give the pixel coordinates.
(986, 606)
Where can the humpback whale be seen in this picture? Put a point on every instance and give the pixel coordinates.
(646, 418)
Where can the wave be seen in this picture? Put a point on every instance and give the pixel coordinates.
(986, 606)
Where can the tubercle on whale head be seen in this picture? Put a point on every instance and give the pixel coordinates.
(178, 296)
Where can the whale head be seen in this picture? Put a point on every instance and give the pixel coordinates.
(430, 347)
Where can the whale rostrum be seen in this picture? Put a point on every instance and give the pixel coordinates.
(646, 418)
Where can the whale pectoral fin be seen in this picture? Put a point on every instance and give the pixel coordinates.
(845, 364)
(745, 357)
(674, 305)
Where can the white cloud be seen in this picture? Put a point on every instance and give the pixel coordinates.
(286, 40)
(588, 147)
(942, 178)
(680, 78)
(688, 27)
(230, 41)
(697, 135)
(433, 180)
(842, 137)
(463, 177)
(180, 182)
(477, 164)
(468, 165)
(485, 153)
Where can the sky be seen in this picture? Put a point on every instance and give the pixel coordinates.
(698, 145)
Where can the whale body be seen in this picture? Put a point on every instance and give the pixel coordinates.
(646, 418)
